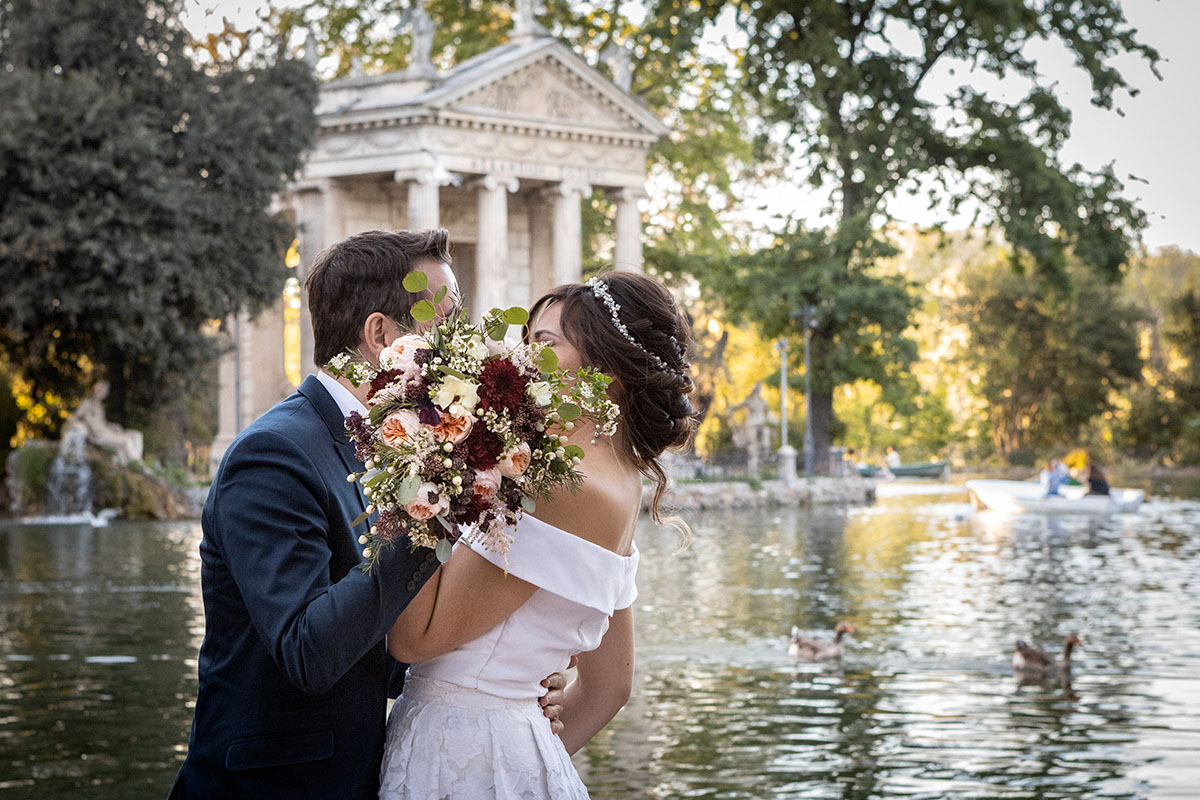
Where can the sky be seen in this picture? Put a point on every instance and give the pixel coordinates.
(1157, 139)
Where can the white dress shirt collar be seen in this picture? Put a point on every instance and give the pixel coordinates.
(345, 399)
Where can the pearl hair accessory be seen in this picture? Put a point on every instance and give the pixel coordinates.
(600, 291)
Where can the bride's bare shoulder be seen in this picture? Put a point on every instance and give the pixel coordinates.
(600, 511)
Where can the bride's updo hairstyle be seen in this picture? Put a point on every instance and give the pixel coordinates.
(628, 326)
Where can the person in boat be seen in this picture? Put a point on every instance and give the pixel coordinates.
(892, 459)
(1097, 481)
(1053, 476)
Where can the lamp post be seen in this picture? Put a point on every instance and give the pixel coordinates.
(787, 453)
(809, 324)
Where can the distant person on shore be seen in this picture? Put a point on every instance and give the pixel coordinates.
(1097, 481)
(892, 459)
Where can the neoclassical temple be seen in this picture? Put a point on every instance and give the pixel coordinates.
(501, 150)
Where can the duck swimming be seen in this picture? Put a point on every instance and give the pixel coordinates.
(805, 648)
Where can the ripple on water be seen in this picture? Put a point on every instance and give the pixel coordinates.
(100, 629)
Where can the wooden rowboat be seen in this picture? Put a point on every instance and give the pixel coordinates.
(932, 469)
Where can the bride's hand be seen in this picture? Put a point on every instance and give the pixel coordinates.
(552, 701)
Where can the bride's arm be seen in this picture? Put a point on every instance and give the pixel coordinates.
(465, 598)
(602, 685)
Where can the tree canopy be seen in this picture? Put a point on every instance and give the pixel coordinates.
(135, 191)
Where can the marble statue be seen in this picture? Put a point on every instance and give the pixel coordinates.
(754, 434)
(620, 60)
(89, 419)
(422, 29)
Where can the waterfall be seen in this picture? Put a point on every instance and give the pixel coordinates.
(69, 488)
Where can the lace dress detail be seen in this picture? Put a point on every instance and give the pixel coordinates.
(468, 726)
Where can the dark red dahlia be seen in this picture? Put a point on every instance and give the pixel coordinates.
(501, 385)
(381, 380)
(481, 449)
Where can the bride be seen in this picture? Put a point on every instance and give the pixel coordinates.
(479, 639)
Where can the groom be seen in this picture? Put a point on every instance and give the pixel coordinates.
(294, 674)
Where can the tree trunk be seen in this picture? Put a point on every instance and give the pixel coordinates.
(823, 421)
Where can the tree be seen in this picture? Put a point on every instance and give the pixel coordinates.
(857, 314)
(134, 196)
(845, 87)
(1050, 358)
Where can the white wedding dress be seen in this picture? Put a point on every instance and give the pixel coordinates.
(468, 726)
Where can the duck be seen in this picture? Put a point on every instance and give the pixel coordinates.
(809, 649)
(1028, 659)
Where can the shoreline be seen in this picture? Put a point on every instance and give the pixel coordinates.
(772, 493)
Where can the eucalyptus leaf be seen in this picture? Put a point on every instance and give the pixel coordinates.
(573, 451)
(360, 519)
(444, 549)
(423, 311)
(496, 330)
(445, 370)
(406, 490)
(516, 316)
(374, 478)
(416, 281)
(441, 294)
(528, 503)
(569, 412)
(547, 360)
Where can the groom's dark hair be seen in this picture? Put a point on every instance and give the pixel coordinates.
(363, 274)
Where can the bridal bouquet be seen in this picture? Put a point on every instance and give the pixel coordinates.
(464, 431)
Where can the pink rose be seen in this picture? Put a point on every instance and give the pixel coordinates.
(514, 462)
(428, 503)
(399, 428)
(453, 427)
(487, 483)
(401, 355)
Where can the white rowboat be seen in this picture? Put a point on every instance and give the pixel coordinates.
(1027, 497)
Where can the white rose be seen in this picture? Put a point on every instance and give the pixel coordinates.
(456, 390)
(540, 391)
(477, 350)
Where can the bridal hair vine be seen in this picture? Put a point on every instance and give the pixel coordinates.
(600, 291)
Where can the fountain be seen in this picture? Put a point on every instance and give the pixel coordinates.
(69, 488)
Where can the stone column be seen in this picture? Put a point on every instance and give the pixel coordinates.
(423, 210)
(627, 253)
(319, 212)
(541, 245)
(567, 232)
(491, 252)
(229, 421)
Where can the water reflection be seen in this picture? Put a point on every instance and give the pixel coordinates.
(99, 629)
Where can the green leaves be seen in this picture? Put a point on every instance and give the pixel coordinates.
(416, 281)
(547, 360)
(569, 412)
(406, 489)
(423, 311)
(528, 503)
(516, 316)
(573, 451)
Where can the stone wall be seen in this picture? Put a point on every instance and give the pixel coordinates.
(734, 495)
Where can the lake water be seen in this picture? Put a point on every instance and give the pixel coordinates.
(99, 630)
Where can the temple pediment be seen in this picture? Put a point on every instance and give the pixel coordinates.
(553, 89)
(530, 85)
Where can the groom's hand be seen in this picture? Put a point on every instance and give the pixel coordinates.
(552, 701)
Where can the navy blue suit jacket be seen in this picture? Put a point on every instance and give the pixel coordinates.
(294, 674)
